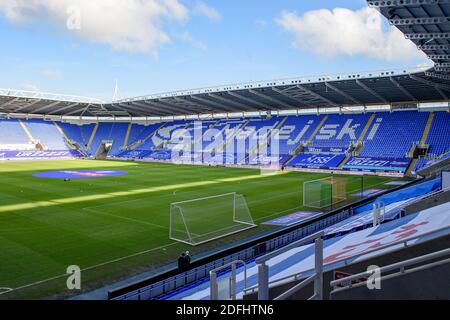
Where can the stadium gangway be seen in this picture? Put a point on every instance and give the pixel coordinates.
(347, 261)
(317, 277)
(401, 266)
(214, 286)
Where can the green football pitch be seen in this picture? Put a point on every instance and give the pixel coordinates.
(117, 227)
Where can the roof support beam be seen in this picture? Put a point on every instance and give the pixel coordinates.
(442, 69)
(438, 75)
(402, 3)
(437, 86)
(301, 87)
(45, 107)
(230, 102)
(301, 102)
(248, 100)
(273, 100)
(371, 91)
(345, 95)
(130, 109)
(83, 110)
(187, 104)
(419, 21)
(174, 109)
(27, 106)
(213, 103)
(427, 36)
(9, 102)
(402, 89)
(63, 109)
(147, 106)
(434, 47)
(439, 56)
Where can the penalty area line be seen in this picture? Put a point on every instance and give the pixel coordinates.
(89, 268)
(129, 219)
(4, 290)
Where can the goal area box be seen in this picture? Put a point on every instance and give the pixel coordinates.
(323, 193)
(198, 221)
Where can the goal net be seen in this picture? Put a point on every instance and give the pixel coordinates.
(202, 220)
(325, 192)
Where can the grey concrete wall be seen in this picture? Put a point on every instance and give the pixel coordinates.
(430, 282)
(429, 202)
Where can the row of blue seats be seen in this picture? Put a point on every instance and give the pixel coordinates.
(337, 131)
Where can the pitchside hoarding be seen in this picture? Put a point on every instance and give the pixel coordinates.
(54, 154)
(318, 161)
(325, 150)
(378, 164)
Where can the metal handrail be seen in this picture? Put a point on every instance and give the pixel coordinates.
(296, 276)
(297, 288)
(399, 265)
(213, 279)
(263, 269)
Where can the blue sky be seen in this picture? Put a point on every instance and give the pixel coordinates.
(205, 44)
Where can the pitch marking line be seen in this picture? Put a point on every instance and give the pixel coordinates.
(5, 290)
(130, 219)
(90, 268)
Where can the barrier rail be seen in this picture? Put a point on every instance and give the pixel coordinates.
(263, 269)
(347, 282)
(347, 261)
(214, 288)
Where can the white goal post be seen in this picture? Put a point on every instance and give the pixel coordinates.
(202, 220)
(323, 193)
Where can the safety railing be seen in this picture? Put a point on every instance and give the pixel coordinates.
(401, 244)
(317, 277)
(401, 266)
(214, 285)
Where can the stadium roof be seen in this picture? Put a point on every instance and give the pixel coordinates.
(425, 22)
(359, 89)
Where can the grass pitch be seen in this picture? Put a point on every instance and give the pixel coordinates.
(116, 227)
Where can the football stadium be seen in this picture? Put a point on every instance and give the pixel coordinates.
(330, 187)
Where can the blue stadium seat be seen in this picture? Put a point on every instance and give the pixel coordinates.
(439, 136)
(392, 135)
(47, 134)
(12, 133)
(340, 130)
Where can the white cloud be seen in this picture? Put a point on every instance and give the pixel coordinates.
(207, 11)
(52, 73)
(29, 87)
(187, 37)
(346, 32)
(124, 25)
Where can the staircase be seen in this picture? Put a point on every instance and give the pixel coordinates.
(360, 142)
(237, 130)
(311, 138)
(264, 142)
(364, 133)
(141, 142)
(72, 144)
(27, 132)
(91, 139)
(422, 143)
(127, 136)
(299, 149)
(426, 132)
